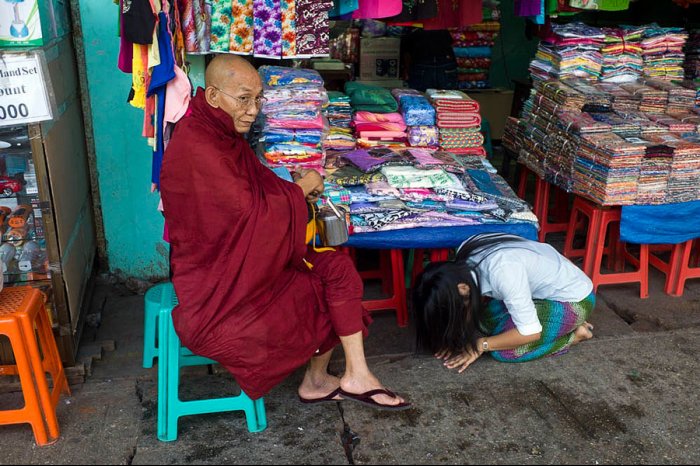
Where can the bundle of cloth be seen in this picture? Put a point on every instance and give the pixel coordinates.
(419, 116)
(294, 126)
(662, 50)
(379, 129)
(458, 121)
(622, 54)
(571, 50)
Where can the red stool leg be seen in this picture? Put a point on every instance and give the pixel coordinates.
(385, 268)
(418, 258)
(399, 287)
(542, 207)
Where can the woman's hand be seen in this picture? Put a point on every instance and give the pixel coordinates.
(462, 360)
(311, 182)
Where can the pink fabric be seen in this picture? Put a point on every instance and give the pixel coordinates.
(369, 117)
(373, 9)
(453, 14)
(179, 92)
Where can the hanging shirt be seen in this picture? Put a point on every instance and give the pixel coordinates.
(518, 272)
(455, 14)
(375, 9)
(138, 21)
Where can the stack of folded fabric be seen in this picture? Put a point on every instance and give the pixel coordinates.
(379, 129)
(595, 100)
(459, 122)
(684, 178)
(572, 50)
(607, 169)
(680, 98)
(622, 54)
(662, 50)
(652, 100)
(511, 139)
(646, 126)
(561, 94)
(473, 47)
(419, 116)
(654, 173)
(623, 101)
(672, 124)
(694, 86)
(339, 114)
(294, 126)
(620, 126)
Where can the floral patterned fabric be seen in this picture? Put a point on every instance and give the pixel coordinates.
(241, 38)
(220, 25)
(267, 40)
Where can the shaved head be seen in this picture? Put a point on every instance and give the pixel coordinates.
(234, 86)
(223, 69)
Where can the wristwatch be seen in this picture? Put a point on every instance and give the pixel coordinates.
(484, 345)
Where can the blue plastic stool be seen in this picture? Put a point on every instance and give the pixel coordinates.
(488, 144)
(171, 357)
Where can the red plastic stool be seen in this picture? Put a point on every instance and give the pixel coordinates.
(678, 269)
(600, 219)
(543, 191)
(436, 255)
(391, 272)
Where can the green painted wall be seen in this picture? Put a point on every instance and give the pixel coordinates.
(513, 50)
(133, 228)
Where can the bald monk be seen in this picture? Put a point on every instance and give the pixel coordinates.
(240, 266)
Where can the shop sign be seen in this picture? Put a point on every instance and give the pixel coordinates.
(24, 93)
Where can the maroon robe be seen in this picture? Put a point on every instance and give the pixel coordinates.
(237, 232)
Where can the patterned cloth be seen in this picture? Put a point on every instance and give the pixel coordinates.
(241, 40)
(267, 40)
(559, 321)
(220, 25)
(312, 27)
(289, 29)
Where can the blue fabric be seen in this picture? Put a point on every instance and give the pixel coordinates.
(660, 224)
(435, 237)
(160, 77)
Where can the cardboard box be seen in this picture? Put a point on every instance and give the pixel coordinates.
(495, 107)
(380, 58)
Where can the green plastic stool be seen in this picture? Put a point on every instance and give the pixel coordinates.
(171, 357)
(150, 325)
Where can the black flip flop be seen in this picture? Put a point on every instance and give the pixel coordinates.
(366, 399)
(326, 399)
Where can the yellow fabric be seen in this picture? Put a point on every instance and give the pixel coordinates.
(138, 77)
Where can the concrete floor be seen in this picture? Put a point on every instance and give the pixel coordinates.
(627, 396)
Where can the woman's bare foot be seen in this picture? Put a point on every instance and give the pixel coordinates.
(316, 386)
(358, 385)
(583, 333)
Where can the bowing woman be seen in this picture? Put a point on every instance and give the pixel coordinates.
(516, 299)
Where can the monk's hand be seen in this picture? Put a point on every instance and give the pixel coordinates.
(311, 183)
(462, 360)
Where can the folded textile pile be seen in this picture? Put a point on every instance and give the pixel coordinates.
(680, 98)
(654, 174)
(560, 93)
(572, 50)
(379, 129)
(419, 116)
(370, 98)
(622, 54)
(294, 127)
(652, 100)
(512, 139)
(473, 45)
(623, 101)
(458, 120)
(595, 100)
(607, 169)
(684, 178)
(662, 50)
(620, 126)
(672, 124)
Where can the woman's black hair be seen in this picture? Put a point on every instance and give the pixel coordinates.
(446, 320)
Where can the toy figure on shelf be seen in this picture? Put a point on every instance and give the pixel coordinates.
(18, 28)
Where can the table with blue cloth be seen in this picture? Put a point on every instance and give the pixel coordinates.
(435, 237)
(660, 224)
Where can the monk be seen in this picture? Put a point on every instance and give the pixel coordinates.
(252, 295)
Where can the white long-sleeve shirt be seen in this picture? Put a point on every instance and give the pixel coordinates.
(518, 272)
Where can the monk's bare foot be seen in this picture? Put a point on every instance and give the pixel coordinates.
(316, 386)
(583, 333)
(358, 384)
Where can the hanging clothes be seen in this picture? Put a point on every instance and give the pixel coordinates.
(241, 40)
(455, 14)
(189, 29)
(220, 25)
(312, 28)
(289, 29)
(343, 7)
(375, 9)
(138, 21)
(126, 48)
(415, 11)
(267, 40)
(528, 7)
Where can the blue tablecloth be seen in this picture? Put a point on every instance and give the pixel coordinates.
(660, 224)
(435, 237)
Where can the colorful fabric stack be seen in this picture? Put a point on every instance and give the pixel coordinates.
(684, 179)
(623, 101)
(573, 50)
(339, 115)
(595, 100)
(654, 173)
(375, 129)
(622, 55)
(561, 94)
(473, 48)
(662, 50)
(680, 98)
(607, 169)
(652, 100)
(458, 120)
(673, 125)
(294, 127)
(419, 116)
